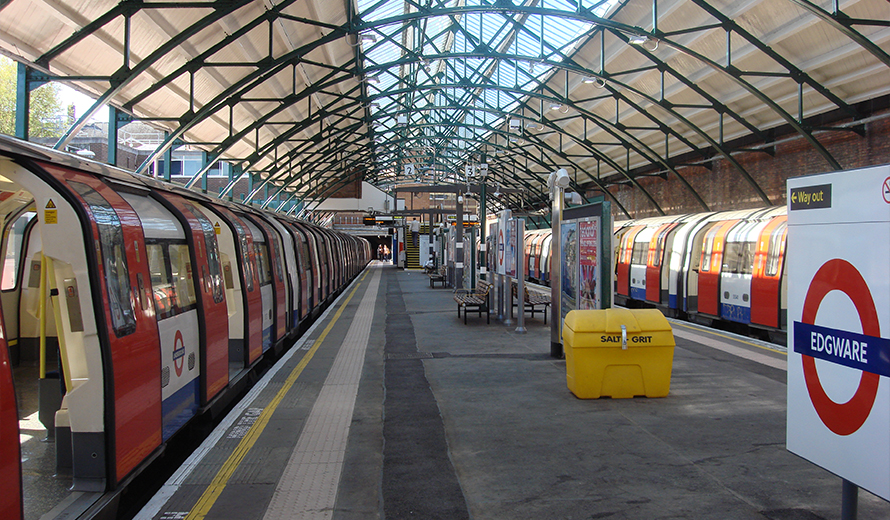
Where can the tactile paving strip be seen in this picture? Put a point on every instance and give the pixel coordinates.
(308, 487)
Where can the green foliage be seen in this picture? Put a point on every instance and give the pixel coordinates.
(46, 116)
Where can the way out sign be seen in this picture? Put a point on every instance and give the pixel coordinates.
(838, 268)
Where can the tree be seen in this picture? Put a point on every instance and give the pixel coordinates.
(46, 117)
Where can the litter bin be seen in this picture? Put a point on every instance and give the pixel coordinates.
(618, 353)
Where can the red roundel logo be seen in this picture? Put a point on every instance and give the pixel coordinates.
(178, 353)
(841, 418)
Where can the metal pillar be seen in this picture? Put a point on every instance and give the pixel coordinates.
(459, 245)
(432, 243)
(112, 136)
(521, 265)
(558, 182)
(483, 211)
(849, 500)
(168, 159)
(204, 162)
(22, 103)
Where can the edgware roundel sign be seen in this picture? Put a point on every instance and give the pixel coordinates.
(838, 270)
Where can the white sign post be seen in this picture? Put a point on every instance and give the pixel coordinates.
(838, 265)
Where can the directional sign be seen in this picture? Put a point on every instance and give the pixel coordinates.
(838, 269)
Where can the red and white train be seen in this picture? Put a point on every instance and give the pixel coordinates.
(156, 301)
(725, 266)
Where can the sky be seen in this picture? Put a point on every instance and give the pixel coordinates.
(81, 102)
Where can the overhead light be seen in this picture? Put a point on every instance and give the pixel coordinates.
(559, 106)
(372, 79)
(372, 38)
(534, 126)
(647, 42)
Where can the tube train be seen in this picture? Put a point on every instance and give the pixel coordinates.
(157, 302)
(725, 266)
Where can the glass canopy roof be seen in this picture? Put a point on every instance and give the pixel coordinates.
(439, 85)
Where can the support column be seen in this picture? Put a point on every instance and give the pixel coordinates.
(459, 245)
(22, 103)
(204, 162)
(168, 159)
(483, 211)
(112, 136)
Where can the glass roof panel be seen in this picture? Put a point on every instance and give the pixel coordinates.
(459, 82)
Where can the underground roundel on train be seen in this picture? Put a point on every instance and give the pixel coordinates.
(838, 269)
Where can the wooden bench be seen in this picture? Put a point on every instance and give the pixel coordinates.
(437, 276)
(534, 299)
(476, 300)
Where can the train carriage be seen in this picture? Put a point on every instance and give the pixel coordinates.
(111, 281)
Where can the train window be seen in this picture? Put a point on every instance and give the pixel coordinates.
(111, 244)
(262, 262)
(14, 235)
(706, 253)
(213, 256)
(641, 250)
(773, 255)
(181, 271)
(164, 291)
(738, 258)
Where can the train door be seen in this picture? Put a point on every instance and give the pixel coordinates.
(307, 276)
(243, 300)
(275, 266)
(121, 263)
(625, 255)
(736, 272)
(656, 291)
(214, 340)
(318, 271)
(176, 311)
(20, 281)
(292, 273)
(546, 264)
(638, 258)
(321, 259)
(710, 267)
(264, 274)
(767, 292)
(11, 503)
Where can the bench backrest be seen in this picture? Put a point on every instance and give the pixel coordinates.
(482, 287)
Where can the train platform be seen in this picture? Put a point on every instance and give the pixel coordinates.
(390, 407)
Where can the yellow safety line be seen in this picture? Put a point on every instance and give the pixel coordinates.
(219, 482)
(715, 333)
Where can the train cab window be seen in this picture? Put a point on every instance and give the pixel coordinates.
(114, 259)
(262, 261)
(13, 236)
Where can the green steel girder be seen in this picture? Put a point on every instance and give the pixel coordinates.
(126, 75)
(845, 25)
(480, 79)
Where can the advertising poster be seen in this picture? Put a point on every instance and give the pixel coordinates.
(569, 282)
(588, 251)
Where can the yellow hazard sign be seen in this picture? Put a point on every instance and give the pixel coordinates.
(50, 213)
(216, 228)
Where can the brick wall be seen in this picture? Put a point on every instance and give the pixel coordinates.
(722, 187)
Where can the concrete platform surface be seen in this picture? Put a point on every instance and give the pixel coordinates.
(475, 421)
